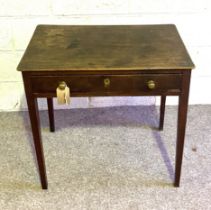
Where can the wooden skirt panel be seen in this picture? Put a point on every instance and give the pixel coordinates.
(103, 85)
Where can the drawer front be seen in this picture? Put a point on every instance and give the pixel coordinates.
(105, 84)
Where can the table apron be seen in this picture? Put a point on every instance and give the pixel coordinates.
(96, 94)
(107, 85)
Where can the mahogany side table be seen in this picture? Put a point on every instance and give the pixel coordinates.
(128, 60)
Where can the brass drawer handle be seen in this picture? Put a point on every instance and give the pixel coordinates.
(63, 93)
(151, 84)
(107, 82)
(62, 85)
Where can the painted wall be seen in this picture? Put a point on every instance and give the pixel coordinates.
(19, 18)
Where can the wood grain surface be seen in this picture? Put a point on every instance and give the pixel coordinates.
(125, 47)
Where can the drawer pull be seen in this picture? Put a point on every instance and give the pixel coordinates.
(151, 84)
(63, 93)
(107, 82)
(62, 85)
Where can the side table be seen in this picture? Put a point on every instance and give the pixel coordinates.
(129, 60)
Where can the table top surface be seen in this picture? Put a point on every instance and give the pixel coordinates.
(119, 47)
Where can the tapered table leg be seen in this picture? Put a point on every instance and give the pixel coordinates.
(51, 114)
(35, 124)
(181, 124)
(162, 111)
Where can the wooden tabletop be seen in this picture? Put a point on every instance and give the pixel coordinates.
(128, 47)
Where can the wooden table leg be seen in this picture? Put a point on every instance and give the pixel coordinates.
(51, 114)
(35, 125)
(181, 125)
(162, 111)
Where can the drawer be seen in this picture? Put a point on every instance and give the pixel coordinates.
(105, 84)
